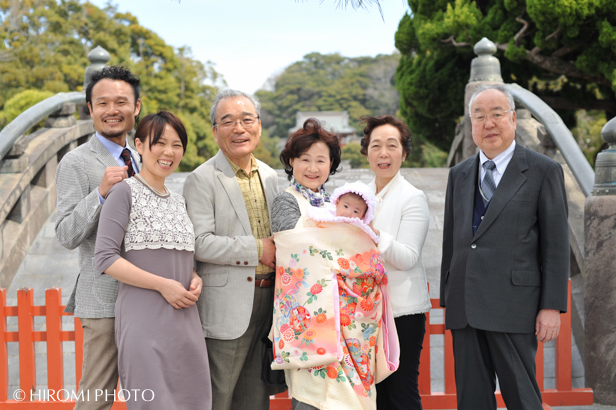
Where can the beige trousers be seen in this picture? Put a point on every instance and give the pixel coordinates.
(99, 375)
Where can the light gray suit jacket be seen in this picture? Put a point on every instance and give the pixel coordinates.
(79, 174)
(225, 250)
(518, 260)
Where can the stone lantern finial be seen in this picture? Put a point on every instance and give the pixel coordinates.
(605, 165)
(485, 67)
(99, 57)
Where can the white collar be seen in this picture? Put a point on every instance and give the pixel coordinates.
(501, 160)
(386, 188)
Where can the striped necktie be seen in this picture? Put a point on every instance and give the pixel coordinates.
(487, 185)
(128, 161)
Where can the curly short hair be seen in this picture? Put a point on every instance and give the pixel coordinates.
(301, 140)
(117, 73)
(374, 122)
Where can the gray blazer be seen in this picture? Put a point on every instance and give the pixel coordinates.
(225, 250)
(518, 260)
(79, 174)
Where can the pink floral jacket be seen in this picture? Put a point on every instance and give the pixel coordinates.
(332, 321)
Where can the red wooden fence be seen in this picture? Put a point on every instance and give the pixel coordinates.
(26, 336)
(562, 395)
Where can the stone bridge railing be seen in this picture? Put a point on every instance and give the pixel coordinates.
(539, 128)
(28, 166)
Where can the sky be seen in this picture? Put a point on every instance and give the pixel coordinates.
(250, 40)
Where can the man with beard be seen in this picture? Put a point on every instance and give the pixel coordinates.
(84, 178)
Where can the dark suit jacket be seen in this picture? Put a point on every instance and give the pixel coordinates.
(518, 260)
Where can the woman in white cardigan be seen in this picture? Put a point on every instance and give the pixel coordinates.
(402, 220)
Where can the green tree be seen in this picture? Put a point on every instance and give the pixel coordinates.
(20, 103)
(588, 132)
(556, 49)
(351, 152)
(44, 46)
(268, 151)
(330, 82)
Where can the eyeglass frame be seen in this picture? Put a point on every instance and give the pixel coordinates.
(488, 115)
(241, 121)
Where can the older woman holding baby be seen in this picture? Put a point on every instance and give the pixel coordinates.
(310, 156)
(402, 220)
(340, 371)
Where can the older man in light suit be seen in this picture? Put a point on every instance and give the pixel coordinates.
(84, 177)
(229, 199)
(505, 259)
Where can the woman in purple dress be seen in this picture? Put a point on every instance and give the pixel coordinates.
(145, 240)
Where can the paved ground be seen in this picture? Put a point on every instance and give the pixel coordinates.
(48, 264)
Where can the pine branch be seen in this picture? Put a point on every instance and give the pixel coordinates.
(357, 4)
(455, 43)
(520, 34)
(565, 50)
(565, 104)
(554, 34)
(559, 66)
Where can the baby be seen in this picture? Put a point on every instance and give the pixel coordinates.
(353, 203)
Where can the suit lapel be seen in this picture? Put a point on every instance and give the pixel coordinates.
(467, 193)
(102, 153)
(270, 192)
(105, 157)
(136, 157)
(509, 184)
(229, 183)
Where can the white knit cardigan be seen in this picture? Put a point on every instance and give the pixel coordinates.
(402, 217)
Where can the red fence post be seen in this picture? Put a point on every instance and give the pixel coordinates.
(4, 358)
(539, 365)
(563, 349)
(424, 381)
(55, 365)
(78, 351)
(281, 401)
(25, 320)
(450, 370)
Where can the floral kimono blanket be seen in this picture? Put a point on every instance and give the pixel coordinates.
(333, 329)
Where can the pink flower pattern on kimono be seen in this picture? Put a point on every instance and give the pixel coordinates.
(358, 278)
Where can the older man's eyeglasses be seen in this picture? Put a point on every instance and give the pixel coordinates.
(247, 122)
(495, 115)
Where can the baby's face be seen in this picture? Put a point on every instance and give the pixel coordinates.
(351, 206)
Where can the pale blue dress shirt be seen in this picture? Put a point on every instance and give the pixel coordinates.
(116, 151)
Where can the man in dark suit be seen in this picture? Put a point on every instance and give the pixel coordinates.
(505, 258)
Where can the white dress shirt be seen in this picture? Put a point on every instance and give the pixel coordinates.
(501, 161)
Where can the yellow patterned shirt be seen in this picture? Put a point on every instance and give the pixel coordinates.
(256, 206)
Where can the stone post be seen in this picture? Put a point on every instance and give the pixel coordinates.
(600, 282)
(98, 57)
(485, 68)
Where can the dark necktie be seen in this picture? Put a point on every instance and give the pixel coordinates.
(128, 161)
(488, 186)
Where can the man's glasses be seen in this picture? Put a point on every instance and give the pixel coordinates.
(247, 122)
(495, 115)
